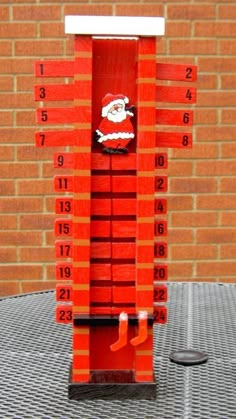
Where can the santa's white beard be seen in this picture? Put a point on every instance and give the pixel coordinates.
(117, 117)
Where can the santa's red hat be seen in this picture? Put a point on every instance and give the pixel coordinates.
(109, 100)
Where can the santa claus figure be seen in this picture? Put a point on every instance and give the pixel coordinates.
(115, 130)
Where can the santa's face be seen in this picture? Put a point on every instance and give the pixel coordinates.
(117, 113)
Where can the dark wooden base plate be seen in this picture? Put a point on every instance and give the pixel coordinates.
(100, 388)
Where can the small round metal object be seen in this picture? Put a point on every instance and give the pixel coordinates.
(188, 357)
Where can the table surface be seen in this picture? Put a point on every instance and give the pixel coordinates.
(35, 355)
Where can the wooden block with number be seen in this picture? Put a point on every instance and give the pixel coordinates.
(64, 293)
(64, 271)
(63, 227)
(160, 294)
(160, 314)
(64, 314)
(160, 272)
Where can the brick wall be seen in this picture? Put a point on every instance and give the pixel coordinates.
(201, 197)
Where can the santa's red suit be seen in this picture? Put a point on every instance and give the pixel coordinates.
(115, 130)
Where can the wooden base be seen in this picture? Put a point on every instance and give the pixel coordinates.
(111, 385)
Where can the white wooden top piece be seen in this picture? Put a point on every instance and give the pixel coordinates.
(115, 25)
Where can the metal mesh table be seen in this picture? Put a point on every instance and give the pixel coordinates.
(35, 355)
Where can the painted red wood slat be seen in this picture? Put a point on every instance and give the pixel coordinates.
(63, 183)
(100, 271)
(123, 250)
(100, 161)
(160, 206)
(160, 294)
(64, 271)
(123, 229)
(55, 138)
(123, 272)
(123, 162)
(100, 183)
(174, 139)
(123, 183)
(123, 206)
(161, 161)
(64, 292)
(160, 314)
(160, 272)
(56, 116)
(100, 228)
(100, 294)
(174, 117)
(176, 94)
(63, 227)
(100, 250)
(54, 68)
(63, 160)
(64, 313)
(101, 206)
(178, 72)
(53, 92)
(123, 295)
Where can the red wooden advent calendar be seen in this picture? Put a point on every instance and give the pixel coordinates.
(111, 227)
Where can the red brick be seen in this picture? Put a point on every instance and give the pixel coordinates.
(6, 83)
(32, 286)
(37, 222)
(6, 118)
(228, 251)
(180, 235)
(192, 12)
(23, 205)
(228, 150)
(228, 116)
(206, 81)
(4, 13)
(17, 135)
(216, 202)
(193, 252)
(179, 168)
(228, 81)
(88, 9)
(8, 288)
(8, 222)
(203, 116)
(216, 65)
(177, 28)
(52, 30)
(7, 187)
(215, 168)
(141, 10)
(25, 118)
(180, 269)
(8, 254)
(193, 185)
(216, 235)
(213, 99)
(192, 46)
(202, 150)
(227, 11)
(218, 133)
(36, 12)
(30, 152)
(216, 268)
(180, 202)
(39, 48)
(16, 66)
(17, 30)
(35, 187)
(227, 185)
(19, 170)
(37, 254)
(6, 48)
(17, 238)
(213, 29)
(228, 218)
(16, 272)
(15, 100)
(194, 219)
(228, 47)
(6, 153)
